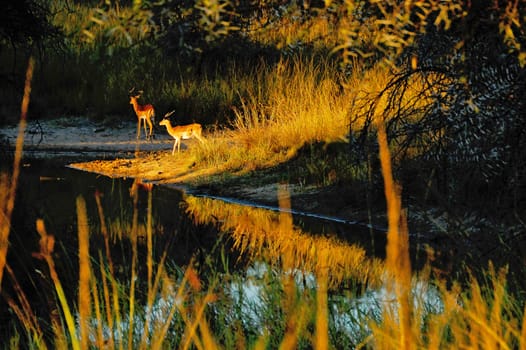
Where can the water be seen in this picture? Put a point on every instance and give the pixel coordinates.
(230, 238)
(48, 190)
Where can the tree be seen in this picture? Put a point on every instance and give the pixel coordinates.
(25, 22)
(466, 123)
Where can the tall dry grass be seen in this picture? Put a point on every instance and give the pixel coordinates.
(8, 184)
(291, 104)
(480, 317)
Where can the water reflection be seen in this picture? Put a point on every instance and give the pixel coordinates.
(261, 234)
(49, 192)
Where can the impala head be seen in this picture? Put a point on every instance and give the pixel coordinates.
(165, 122)
(134, 95)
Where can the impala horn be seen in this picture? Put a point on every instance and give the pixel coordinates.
(168, 114)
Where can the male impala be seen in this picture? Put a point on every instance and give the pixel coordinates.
(181, 132)
(145, 113)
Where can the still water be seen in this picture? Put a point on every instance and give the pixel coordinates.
(240, 242)
(48, 190)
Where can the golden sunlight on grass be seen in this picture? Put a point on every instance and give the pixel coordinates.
(396, 325)
(8, 184)
(106, 316)
(291, 104)
(294, 103)
(302, 104)
(47, 246)
(84, 296)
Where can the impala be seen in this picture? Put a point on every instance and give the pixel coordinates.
(145, 113)
(182, 132)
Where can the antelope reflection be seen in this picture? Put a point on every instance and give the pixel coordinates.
(270, 236)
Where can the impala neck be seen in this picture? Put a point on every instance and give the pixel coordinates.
(135, 105)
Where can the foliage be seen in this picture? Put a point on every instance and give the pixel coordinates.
(453, 100)
(181, 25)
(388, 30)
(26, 23)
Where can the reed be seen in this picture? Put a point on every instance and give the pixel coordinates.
(277, 110)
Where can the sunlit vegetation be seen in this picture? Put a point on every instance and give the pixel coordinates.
(292, 104)
(412, 100)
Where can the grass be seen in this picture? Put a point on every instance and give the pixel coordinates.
(274, 110)
(290, 105)
(179, 311)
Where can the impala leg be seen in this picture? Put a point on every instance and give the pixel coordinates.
(175, 144)
(139, 129)
(145, 132)
(150, 125)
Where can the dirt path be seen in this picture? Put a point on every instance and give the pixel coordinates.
(80, 135)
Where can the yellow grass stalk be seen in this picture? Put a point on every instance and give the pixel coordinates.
(262, 342)
(23, 310)
(160, 278)
(8, 188)
(397, 255)
(149, 243)
(197, 331)
(134, 193)
(321, 341)
(84, 296)
(98, 313)
(206, 335)
(483, 313)
(104, 230)
(104, 275)
(285, 217)
(47, 243)
(160, 332)
(149, 264)
(296, 311)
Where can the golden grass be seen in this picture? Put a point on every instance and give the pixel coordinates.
(84, 294)
(396, 326)
(8, 185)
(47, 246)
(294, 103)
